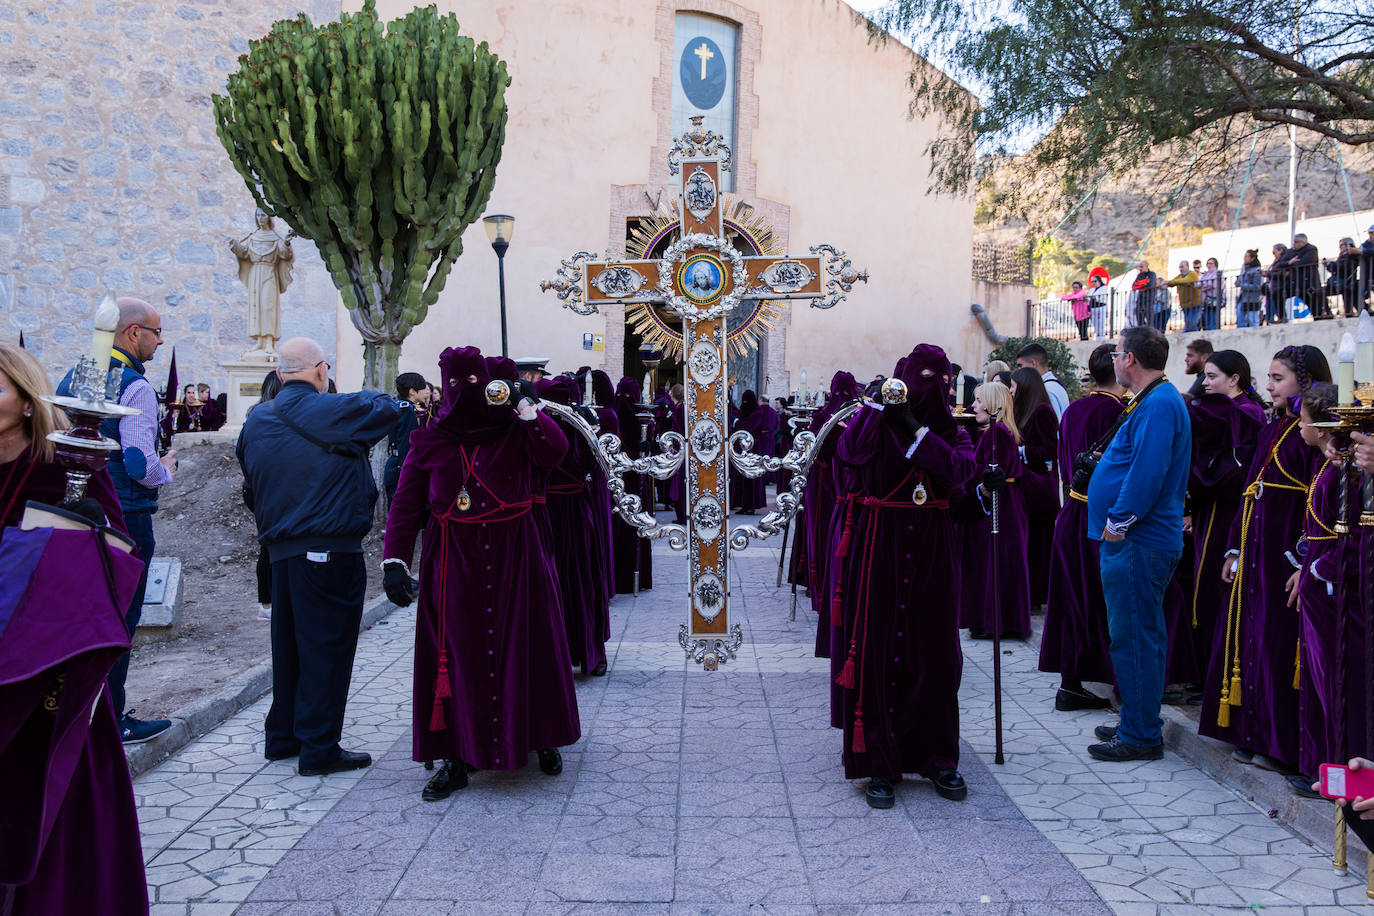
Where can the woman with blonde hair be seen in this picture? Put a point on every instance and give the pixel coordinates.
(28, 469)
(999, 441)
(993, 369)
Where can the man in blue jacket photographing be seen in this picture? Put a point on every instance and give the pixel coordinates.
(308, 480)
(1135, 508)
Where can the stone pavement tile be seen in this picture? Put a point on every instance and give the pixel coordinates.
(629, 738)
(436, 874)
(350, 907)
(607, 878)
(695, 908)
(335, 875)
(626, 836)
(711, 798)
(740, 860)
(627, 800)
(613, 766)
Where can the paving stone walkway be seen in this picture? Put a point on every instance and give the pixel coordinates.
(713, 793)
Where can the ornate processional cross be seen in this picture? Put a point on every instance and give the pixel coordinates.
(702, 278)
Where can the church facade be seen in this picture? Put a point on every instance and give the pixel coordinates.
(824, 152)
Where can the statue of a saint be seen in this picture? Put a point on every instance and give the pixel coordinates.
(265, 268)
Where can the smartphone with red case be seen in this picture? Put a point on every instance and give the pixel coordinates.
(1339, 781)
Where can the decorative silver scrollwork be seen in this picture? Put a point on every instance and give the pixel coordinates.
(618, 281)
(786, 276)
(842, 277)
(567, 283)
(615, 464)
(805, 447)
(697, 142)
(678, 251)
(712, 651)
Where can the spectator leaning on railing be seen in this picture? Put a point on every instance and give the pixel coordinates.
(1251, 286)
(1210, 285)
(1276, 286)
(1345, 277)
(1140, 304)
(1189, 297)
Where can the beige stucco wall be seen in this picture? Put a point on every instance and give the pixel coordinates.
(830, 150)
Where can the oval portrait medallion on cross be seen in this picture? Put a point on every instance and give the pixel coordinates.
(701, 277)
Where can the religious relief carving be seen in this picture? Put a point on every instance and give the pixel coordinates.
(709, 593)
(708, 516)
(694, 276)
(699, 194)
(704, 362)
(786, 276)
(706, 441)
(619, 281)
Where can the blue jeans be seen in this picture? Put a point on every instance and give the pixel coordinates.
(1248, 317)
(140, 525)
(1133, 583)
(1192, 318)
(1161, 320)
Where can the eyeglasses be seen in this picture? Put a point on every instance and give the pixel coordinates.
(144, 327)
(324, 363)
(1117, 354)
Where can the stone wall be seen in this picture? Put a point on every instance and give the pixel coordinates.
(111, 176)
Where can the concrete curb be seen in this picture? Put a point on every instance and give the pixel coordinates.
(201, 716)
(1310, 818)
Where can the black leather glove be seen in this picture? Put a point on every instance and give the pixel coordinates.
(906, 418)
(522, 389)
(588, 414)
(89, 509)
(400, 588)
(994, 479)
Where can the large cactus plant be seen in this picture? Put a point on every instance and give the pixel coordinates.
(379, 143)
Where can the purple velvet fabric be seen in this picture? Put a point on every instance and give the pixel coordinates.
(627, 547)
(893, 586)
(1266, 720)
(978, 602)
(69, 840)
(26, 478)
(1076, 643)
(1224, 435)
(1333, 689)
(1040, 490)
(579, 515)
(760, 421)
(489, 607)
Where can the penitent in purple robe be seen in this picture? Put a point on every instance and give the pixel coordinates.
(1076, 643)
(893, 585)
(812, 545)
(760, 421)
(1224, 434)
(978, 603)
(628, 548)
(1333, 688)
(1040, 490)
(608, 421)
(577, 512)
(69, 840)
(492, 680)
(1256, 643)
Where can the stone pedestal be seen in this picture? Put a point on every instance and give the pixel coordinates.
(245, 387)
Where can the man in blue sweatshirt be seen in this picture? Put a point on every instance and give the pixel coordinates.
(1135, 508)
(309, 483)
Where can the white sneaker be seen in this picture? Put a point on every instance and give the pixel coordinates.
(265, 612)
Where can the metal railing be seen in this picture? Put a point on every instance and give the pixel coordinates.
(1001, 264)
(1054, 318)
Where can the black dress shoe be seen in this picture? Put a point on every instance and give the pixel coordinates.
(949, 784)
(1302, 786)
(600, 670)
(550, 761)
(880, 793)
(452, 776)
(347, 760)
(1074, 700)
(1118, 751)
(1105, 732)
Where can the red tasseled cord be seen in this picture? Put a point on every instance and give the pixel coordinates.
(859, 745)
(436, 716)
(843, 549)
(443, 687)
(846, 676)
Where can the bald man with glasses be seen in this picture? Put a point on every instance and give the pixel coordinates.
(137, 472)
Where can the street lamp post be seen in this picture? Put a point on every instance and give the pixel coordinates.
(500, 229)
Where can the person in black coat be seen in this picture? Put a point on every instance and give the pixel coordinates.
(308, 480)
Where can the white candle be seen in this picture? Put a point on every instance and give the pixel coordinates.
(102, 337)
(1345, 358)
(803, 384)
(587, 395)
(1364, 349)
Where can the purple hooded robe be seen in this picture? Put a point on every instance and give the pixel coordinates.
(978, 604)
(1256, 642)
(1040, 491)
(608, 421)
(811, 554)
(625, 542)
(577, 513)
(69, 840)
(760, 421)
(1333, 687)
(897, 662)
(492, 680)
(1075, 642)
(1224, 434)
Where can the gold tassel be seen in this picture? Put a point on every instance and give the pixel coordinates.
(1235, 687)
(1297, 667)
(1224, 714)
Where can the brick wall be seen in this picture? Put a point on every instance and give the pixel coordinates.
(111, 176)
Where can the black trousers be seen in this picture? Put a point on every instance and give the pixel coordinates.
(317, 607)
(140, 525)
(264, 574)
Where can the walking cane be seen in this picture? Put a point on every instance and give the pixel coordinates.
(782, 554)
(996, 627)
(641, 480)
